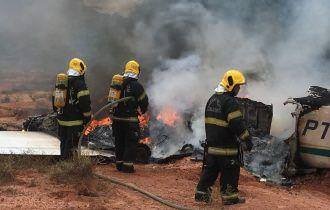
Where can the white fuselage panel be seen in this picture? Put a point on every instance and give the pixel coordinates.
(31, 143)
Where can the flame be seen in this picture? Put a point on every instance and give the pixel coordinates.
(146, 140)
(168, 116)
(144, 120)
(95, 123)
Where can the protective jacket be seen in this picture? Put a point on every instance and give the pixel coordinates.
(223, 124)
(128, 111)
(77, 110)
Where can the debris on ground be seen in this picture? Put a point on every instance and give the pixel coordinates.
(46, 123)
(268, 159)
(101, 138)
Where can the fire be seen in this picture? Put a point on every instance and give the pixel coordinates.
(146, 140)
(144, 120)
(168, 116)
(95, 123)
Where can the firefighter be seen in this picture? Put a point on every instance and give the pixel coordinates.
(76, 110)
(125, 118)
(225, 135)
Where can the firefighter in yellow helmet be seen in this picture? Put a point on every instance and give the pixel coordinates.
(225, 133)
(75, 111)
(125, 118)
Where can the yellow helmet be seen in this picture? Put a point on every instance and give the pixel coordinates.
(231, 78)
(78, 65)
(132, 67)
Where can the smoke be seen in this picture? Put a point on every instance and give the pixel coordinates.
(280, 45)
(184, 46)
(122, 7)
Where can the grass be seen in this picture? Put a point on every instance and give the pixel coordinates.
(74, 171)
(6, 170)
(9, 164)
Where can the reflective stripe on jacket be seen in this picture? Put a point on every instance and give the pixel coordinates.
(224, 122)
(128, 110)
(222, 151)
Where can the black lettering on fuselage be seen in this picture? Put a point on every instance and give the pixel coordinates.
(313, 125)
(326, 128)
(310, 125)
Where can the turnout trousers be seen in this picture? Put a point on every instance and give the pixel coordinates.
(229, 168)
(126, 139)
(69, 136)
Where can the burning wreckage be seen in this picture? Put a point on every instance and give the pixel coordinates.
(163, 137)
(167, 136)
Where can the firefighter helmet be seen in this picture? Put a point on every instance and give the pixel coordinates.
(231, 78)
(78, 65)
(132, 67)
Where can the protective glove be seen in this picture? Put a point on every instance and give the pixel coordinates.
(247, 145)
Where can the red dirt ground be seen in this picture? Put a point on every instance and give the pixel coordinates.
(175, 182)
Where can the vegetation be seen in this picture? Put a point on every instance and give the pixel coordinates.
(6, 170)
(73, 171)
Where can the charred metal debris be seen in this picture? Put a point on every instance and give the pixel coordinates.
(317, 97)
(163, 137)
(272, 159)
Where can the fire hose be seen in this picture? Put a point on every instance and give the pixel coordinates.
(116, 181)
(135, 188)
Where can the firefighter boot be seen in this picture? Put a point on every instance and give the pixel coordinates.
(231, 197)
(237, 200)
(127, 167)
(203, 196)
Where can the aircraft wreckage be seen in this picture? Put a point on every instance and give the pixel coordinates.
(271, 158)
(310, 144)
